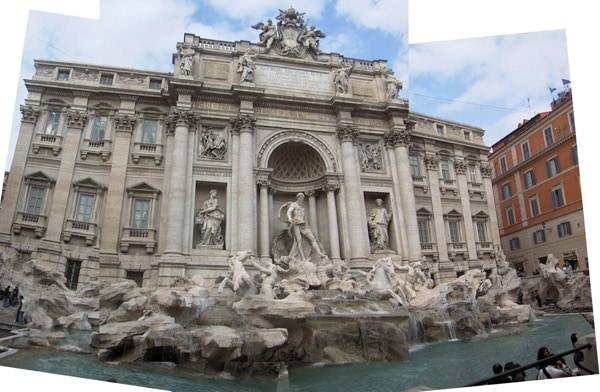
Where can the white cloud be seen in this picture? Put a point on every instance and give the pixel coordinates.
(258, 10)
(389, 16)
(505, 77)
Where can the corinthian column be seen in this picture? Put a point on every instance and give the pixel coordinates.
(355, 202)
(334, 237)
(181, 121)
(264, 216)
(399, 138)
(244, 126)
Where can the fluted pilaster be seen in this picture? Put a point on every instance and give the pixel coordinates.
(244, 126)
(179, 122)
(399, 139)
(355, 204)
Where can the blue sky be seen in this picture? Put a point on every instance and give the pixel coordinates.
(492, 82)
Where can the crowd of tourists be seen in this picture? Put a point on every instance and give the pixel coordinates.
(13, 298)
(555, 368)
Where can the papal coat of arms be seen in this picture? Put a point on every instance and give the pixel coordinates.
(291, 36)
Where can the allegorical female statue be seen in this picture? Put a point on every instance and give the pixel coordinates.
(378, 221)
(209, 220)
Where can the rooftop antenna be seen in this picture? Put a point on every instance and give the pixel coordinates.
(552, 90)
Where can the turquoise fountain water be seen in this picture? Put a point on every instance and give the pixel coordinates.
(440, 365)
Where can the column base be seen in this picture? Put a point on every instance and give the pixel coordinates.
(170, 267)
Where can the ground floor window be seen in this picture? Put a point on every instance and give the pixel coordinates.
(72, 273)
(136, 276)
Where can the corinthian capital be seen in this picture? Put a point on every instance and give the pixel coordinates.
(125, 122)
(243, 123)
(460, 166)
(397, 138)
(181, 117)
(76, 118)
(486, 170)
(431, 161)
(29, 114)
(347, 133)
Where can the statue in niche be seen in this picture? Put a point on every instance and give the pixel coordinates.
(299, 229)
(212, 144)
(341, 79)
(268, 35)
(393, 85)
(378, 221)
(297, 251)
(209, 220)
(186, 55)
(246, 66)
(370, 157)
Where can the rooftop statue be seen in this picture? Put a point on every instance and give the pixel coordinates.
(393, 85)
(186, 54)
(341, 79)
(246, 66)
(291, 36)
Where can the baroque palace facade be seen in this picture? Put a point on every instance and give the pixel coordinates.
(129, 174)
(537, 185)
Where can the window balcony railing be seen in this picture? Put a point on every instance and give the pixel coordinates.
(50, 142)
(37, 223)
(87, 230)
(147, 150)
(96, 147)
(138, 237)
(456, 248)
(448, 185)
(429, 249)
(484, 248)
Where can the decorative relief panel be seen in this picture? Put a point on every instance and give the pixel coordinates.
(370, 156)
(213, 144)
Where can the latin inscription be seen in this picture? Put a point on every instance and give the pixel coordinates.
(293, 79)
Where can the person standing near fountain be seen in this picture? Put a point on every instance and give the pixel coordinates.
(21, 311)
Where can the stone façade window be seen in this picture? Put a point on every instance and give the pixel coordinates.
(148, 143)
(98, 133)
(83, 222)
(33, 214)
(140, 229)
